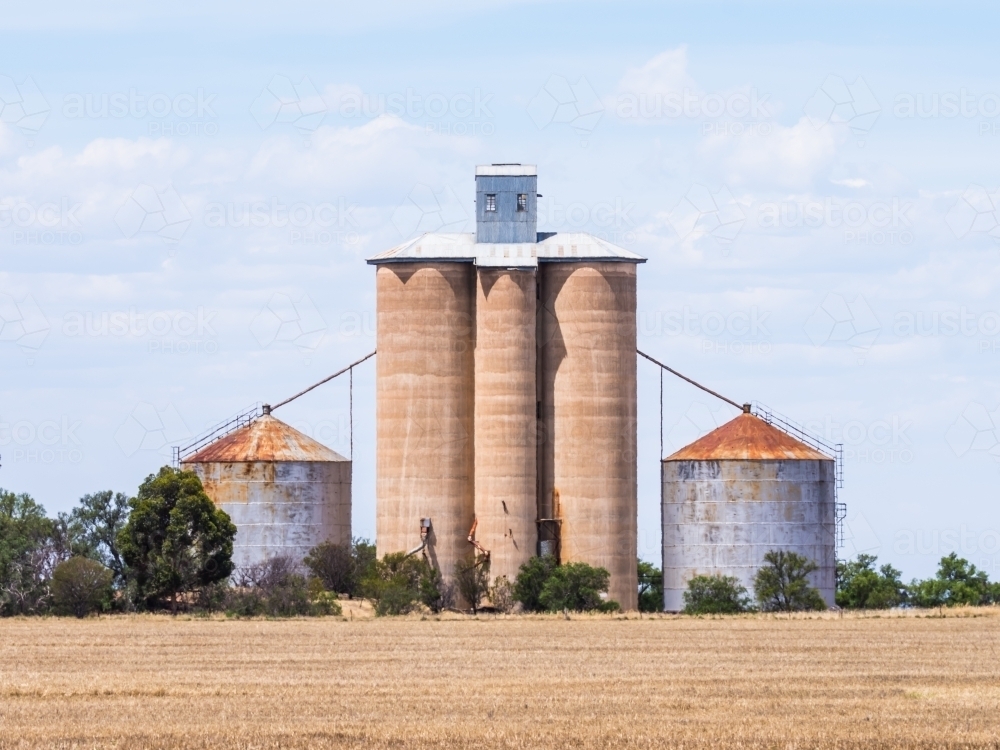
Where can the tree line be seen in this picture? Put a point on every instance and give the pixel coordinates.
(170, 548)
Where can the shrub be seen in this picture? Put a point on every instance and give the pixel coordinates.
(710, 595)
(861, 586)
(81, 586)
(783, 583)
(342, 568)
(396, 584)
(502, 595)
(577, 587)
(472, 576)
(650, 587)
(531, 579)
(276, 588)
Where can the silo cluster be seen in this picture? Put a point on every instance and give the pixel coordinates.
(506, 391)
(285, 492)
(739, 492)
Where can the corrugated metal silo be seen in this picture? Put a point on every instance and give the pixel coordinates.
(424, 408)
(587, 452)
(505, 420)
(739, 492)
(285, 492)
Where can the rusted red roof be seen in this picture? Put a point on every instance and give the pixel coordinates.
(267, 439)
(747, 437)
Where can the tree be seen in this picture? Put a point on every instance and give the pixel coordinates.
(95, 525)
(531, 579)
(957, 582)
(472, 576)
(861, 586)
(650, 587)
(341, 568)
(28, 553)
(175, 540)
(577, 587)
(782, 584)
(710, 595)
(397, 583)
(81, 586)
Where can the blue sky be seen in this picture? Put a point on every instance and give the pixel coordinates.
(815, 189)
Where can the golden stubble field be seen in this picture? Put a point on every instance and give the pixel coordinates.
(590, 682)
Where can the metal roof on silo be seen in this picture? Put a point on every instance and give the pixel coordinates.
(747, 438)
(267, 439)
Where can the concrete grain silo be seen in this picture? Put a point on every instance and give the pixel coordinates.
(739, 492)
(424, 408)
(285, 492)
(506, 377)
(588, 408)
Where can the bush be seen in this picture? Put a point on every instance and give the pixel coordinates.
(650, 587)
(712, 595)
(531, 579)
(577, 587)
(342, 568)
(472, 576)
(277, 589)
(782, 585)
(502, 595)
(957, 582)
(81, 586)
(861, 586)
(397, 584)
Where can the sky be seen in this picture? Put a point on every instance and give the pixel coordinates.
(188, 194)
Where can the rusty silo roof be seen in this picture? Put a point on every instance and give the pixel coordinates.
(747, 437)
(267, 439)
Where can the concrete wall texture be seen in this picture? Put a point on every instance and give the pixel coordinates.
(467, 359)
(280, 508)
(721, 517)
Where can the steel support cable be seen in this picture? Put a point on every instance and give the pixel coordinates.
(350, 367)
(741, 407)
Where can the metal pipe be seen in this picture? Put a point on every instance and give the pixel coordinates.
(692, 382)
(324, 380)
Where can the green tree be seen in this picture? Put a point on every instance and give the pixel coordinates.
(95, 525)
(81, 586)
(861, 586)
(472, 576)
(710, 595)
(531, 579)
(957, 582)
(397, 583)
(28, 554)
(782, 584)
(175, 540)
(650, 587)
(342, 568)
(577, 587)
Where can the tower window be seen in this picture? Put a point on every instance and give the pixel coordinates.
(522, 201)
(491, 202)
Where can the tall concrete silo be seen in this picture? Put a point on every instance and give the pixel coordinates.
(424, 408)
(285, 492)
(505, 421)
(739, 492)
(588, 407)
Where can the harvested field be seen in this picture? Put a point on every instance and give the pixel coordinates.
(751, 682)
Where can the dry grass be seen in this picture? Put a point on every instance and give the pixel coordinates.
(753, 682)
